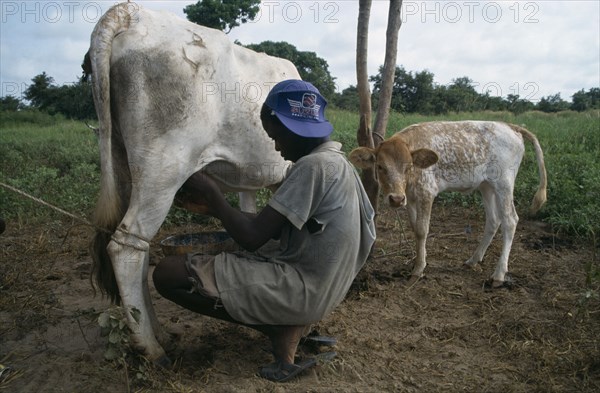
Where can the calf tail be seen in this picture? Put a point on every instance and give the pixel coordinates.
(112, 199)
(540, 196)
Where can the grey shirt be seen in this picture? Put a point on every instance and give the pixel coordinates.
(325, 244)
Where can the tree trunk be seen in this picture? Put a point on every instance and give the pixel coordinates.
(364, 92)
(363, 135)
(389, 68)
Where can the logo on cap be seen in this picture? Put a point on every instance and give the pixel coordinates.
(309, 100)
(307, 108)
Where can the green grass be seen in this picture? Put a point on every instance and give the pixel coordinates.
(57, 160)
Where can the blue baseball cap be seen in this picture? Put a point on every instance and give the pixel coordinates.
(300, 107)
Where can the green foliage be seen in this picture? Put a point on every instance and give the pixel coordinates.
(33, 117)
(220, 14)
(417, 92)
(311, 67)
(583, 101)
(552, 103)
(56, 161)
(517, 105)
(347, 99)
(113, 325)
(39, 91)
(459, 96)
(412, 93)
(10, 104)
(74, 100)
(571, 144)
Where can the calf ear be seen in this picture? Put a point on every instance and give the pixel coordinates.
(362, 157)
(424, 158)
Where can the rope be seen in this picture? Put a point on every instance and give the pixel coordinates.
(58, 209)
(124, 244)
(80, 219)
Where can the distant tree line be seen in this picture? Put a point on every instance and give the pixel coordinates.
(413, 92)
(417, 92)
(73, 100)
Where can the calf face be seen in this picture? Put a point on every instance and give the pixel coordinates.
(394, 165)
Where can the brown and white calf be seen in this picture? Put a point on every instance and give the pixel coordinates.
(416, 164)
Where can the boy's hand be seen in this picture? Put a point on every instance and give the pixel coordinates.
(201, 184)
(188, 202)
(198, 194)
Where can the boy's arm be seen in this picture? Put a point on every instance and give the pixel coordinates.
(249, 231)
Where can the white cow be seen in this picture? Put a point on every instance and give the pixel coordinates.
(172, 98)
(416, 164)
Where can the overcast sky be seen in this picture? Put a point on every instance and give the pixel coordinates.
(530, 48)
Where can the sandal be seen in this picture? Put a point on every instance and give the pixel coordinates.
(314, 343)
(282, 372)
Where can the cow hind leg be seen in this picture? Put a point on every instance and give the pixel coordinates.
(492, 222)
(149, 204)
(129, 254)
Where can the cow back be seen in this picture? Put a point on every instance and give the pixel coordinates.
(177, 83)
(469, 151)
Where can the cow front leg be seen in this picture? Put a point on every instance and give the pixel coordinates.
(159, 331)
(248, 201)
(129, 259)
(419, 214)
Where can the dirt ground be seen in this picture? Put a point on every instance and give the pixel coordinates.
(447, 333)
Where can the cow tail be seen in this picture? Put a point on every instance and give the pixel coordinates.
(110, 206)
(540, 196)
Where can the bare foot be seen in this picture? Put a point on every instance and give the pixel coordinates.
(285, 341)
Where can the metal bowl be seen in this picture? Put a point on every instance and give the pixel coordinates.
(211, 243)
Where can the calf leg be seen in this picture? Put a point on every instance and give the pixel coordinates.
(419, 214)
(492, 223)
(509, 219)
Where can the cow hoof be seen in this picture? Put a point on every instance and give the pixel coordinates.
(492, 284)
(497, 284)
(472, 266)
(163, 362)
(412, 281)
